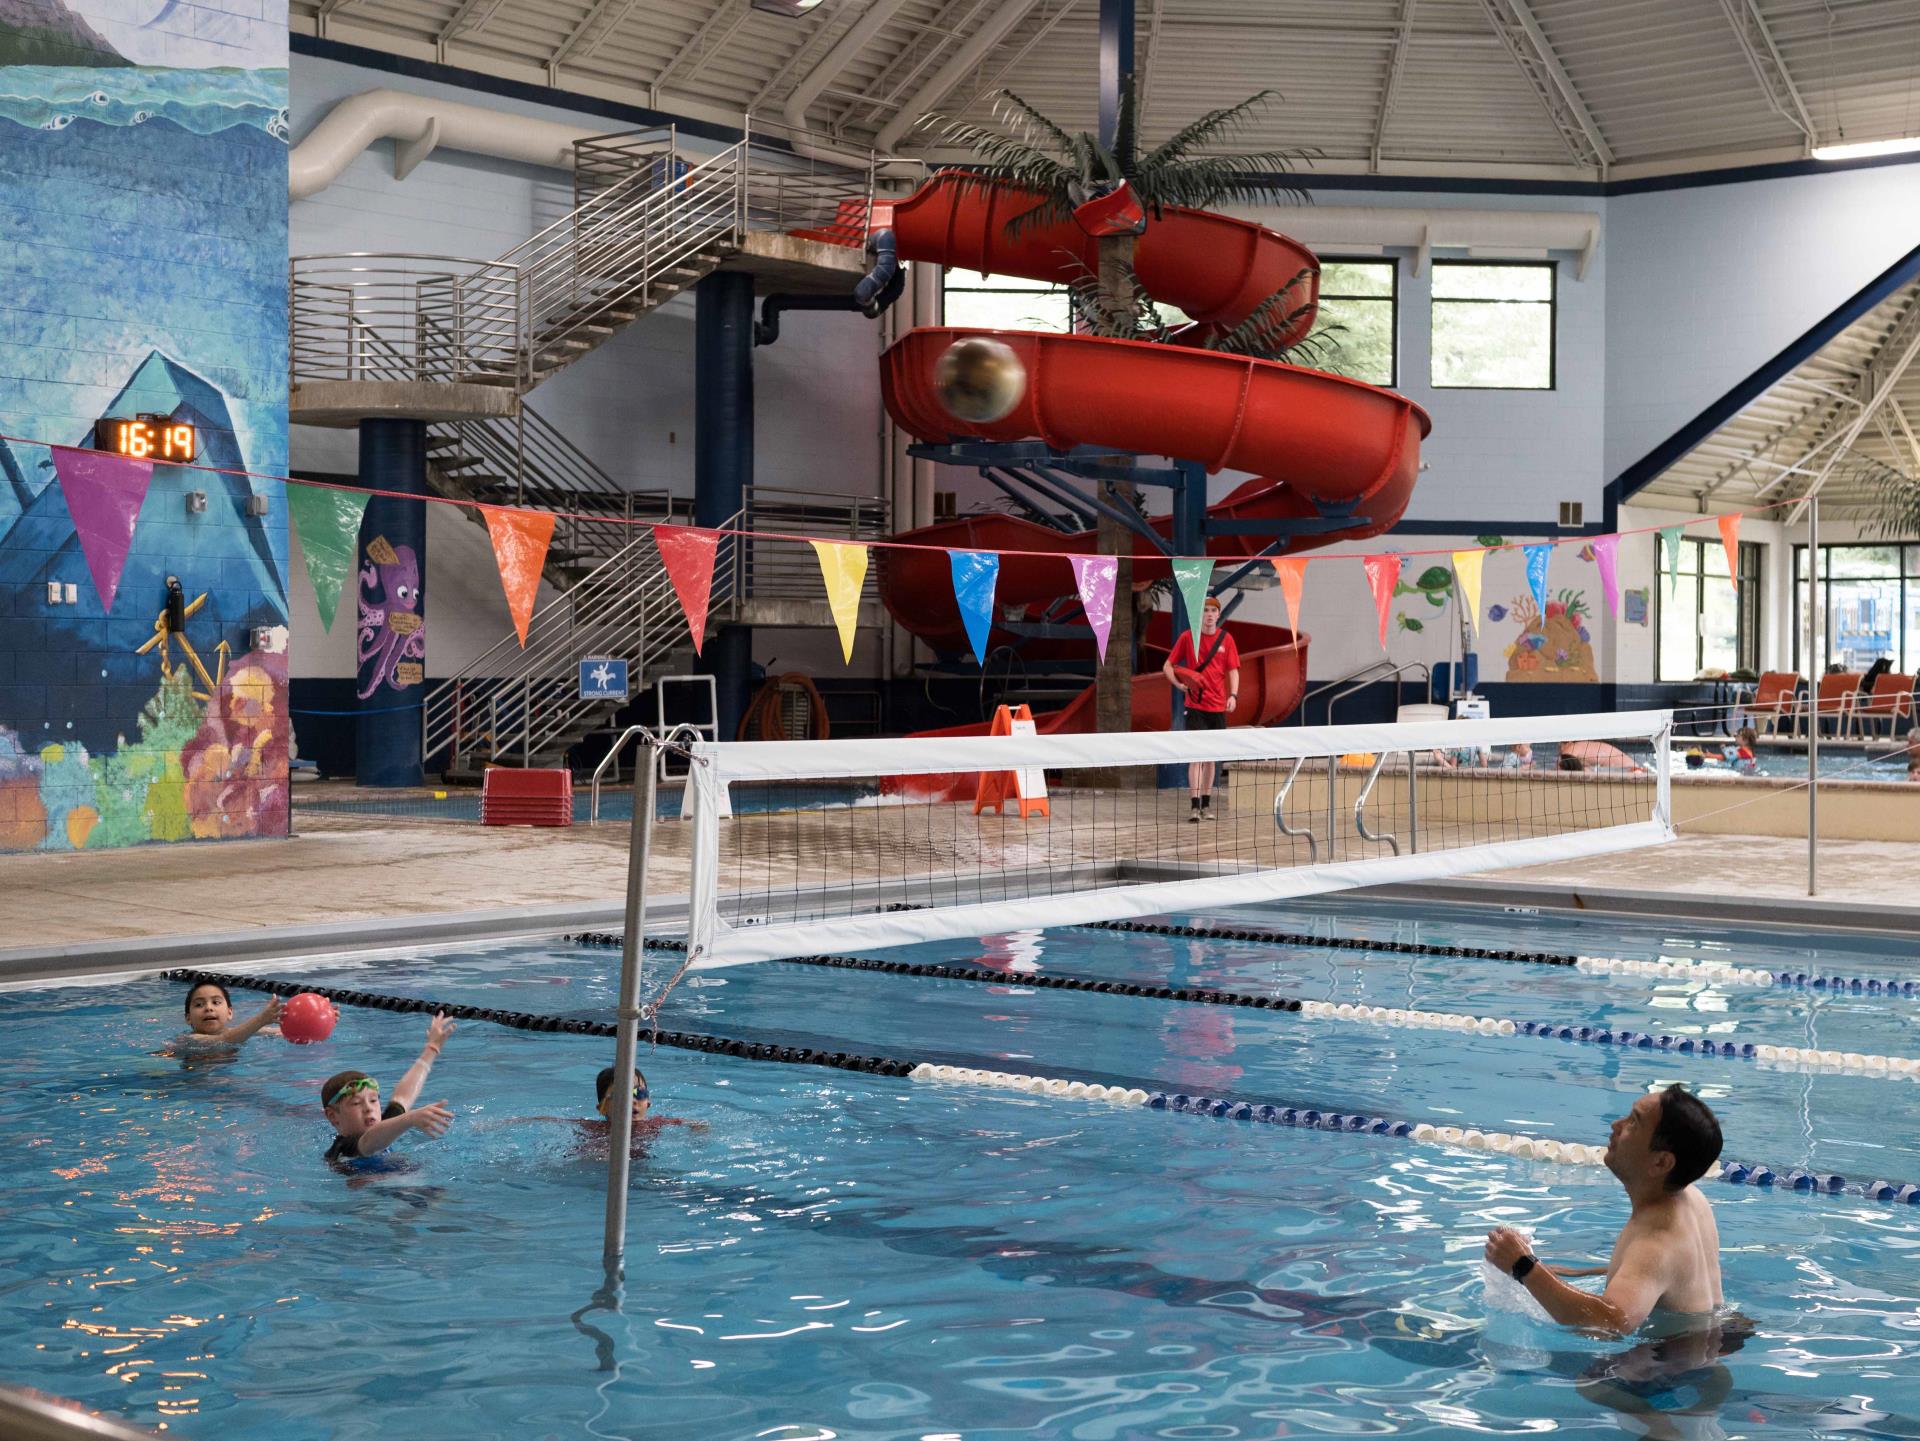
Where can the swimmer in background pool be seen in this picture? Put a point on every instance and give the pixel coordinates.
(209, 1012)
(645, 1126)
(1667, 1256)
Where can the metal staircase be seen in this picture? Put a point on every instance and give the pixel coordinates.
(521, 705)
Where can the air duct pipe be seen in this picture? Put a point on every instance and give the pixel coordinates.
(992, 31)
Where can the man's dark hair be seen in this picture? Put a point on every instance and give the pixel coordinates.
(603, 1083)
(1571, 762)
(1690, 1131)
(186, 1006)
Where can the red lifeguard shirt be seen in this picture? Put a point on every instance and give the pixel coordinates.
(1211, 693)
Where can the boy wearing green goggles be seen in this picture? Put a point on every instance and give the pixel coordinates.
(351, 1100)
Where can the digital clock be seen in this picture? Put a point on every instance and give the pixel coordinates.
(147, 437)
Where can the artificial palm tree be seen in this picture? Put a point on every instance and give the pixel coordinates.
(1024, 150)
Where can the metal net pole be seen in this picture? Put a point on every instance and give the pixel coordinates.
(627, 1037)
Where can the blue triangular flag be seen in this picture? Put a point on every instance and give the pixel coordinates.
(1538, 558)
(974, 575)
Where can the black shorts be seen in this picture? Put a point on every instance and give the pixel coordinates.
(1206, 720)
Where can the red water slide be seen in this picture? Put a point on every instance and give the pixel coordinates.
(1320, 445)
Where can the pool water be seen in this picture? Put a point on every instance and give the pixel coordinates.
(840, 1255)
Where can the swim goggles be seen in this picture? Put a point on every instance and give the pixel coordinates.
(640, 1093)
(365, 1083)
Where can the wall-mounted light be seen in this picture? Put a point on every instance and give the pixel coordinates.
(196, 502)
(1866, 149)
(256, 505)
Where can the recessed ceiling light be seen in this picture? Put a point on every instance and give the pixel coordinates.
(792, 9)
(1866, 148)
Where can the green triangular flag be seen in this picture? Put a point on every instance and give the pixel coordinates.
(328, 524)
(1670, 546)
(1192, 576)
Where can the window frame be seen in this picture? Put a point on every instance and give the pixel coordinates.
(1749, 610)
(1906, 645)
(1552, 302)
(1040, 290)
(1392, 298)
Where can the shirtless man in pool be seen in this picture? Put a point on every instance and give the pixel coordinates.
(1667, 1257)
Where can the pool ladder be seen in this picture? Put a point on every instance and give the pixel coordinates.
(1387, 838)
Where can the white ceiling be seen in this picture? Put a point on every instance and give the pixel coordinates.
(1583, 89)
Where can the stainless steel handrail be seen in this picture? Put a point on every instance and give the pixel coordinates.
(1380, 670)
(673, 736)
(28, 1415)
(1360, 805)
(1280, 814)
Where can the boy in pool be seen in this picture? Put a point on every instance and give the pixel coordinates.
(644, 1125)
(209, 1011)
(351, 1100)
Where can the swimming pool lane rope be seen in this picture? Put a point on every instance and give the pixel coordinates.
(1873, 1067)
(1521, 1147)
(1724, 972)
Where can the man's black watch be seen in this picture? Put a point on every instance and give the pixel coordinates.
(1523, 1268)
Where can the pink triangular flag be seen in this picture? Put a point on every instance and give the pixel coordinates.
(104, 493)
(688, 553)
(1292, 571)
(1606, 555)
(520, 540)
(1093, 576)
(1383, 574)
(1730, 538)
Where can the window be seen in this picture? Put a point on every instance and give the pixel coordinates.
(1492, 326)
(1701, 622)
(996, 304)
(1870, 604)
(1362, 299)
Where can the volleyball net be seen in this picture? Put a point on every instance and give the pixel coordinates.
(801, 847)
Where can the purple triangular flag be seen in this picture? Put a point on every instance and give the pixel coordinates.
(1606, 555)
(1094, 575)
(104, 493)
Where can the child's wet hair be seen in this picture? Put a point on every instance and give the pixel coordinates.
(603, 1083)
(186, 1007)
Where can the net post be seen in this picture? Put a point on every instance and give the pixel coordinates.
(1333, 806)
(1663, 775)
(627, 1018)
(1413, 806)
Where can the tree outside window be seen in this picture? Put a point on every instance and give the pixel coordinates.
(1359, 306)
(1701, 623)
(1493, 326)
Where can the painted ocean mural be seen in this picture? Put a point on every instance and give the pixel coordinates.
(143, 245)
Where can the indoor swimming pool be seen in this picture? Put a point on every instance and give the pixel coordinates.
(836, 1254)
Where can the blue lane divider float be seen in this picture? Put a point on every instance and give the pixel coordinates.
(1705, 970)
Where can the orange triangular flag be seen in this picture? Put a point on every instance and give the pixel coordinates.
(520, 541)
(1730, 538)
(1383, 574)
(688, 553)
(1292, 570)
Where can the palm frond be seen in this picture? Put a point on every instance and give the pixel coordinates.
(1006, 159)
(1213, 126)
(1006, 104)
(1211, 180)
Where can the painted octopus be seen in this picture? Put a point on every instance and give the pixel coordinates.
(392, 648)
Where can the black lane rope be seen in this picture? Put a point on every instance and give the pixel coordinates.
(1201, 995)
(1736, 1172)
(572, 1026)
(1795, 979)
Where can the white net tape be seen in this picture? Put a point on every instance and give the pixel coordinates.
(799, 847)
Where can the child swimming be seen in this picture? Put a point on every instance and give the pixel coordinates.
(351, 1100)
(209, 1011)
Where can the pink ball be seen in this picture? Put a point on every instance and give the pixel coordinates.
(307, 1018)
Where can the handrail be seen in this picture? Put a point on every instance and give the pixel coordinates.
(1280, 814)
(1380, 670)
(614, 751)
(1360, 805)
(29, 1415)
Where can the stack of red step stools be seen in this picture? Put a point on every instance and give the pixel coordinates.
(526, 798)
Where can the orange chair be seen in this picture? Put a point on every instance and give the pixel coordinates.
(1834, 700)
(1776, 701)
(1891, 701)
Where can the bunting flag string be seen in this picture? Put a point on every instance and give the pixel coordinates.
(688, 553)
(520, 541)
(328, 524)
(843, 566)
(1670, 549)
(1192, 576)
(974, 575)
(1606, 555)
(1093, 577)
(104, 492)
(1730, 539)
(1292, 570)
(1467, 566)
(1539, 557)
(1383, 574)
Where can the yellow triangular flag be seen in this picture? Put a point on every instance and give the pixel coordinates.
(844, 568)
(1466, 570)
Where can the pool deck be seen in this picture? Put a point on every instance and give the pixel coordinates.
(352, 872)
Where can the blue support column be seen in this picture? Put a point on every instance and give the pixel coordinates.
(1116, 64)
(723, 456)
(1187, 536)
(392, 648)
